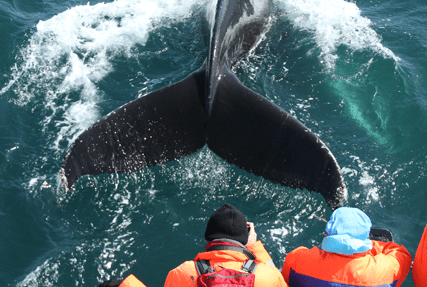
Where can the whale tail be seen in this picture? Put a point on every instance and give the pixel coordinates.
(241, 127)
(154, 129)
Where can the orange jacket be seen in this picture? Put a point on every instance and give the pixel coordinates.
(386, 264)
(131, 281)
(419, 269)
(185, 275)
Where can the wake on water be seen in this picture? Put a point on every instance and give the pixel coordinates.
(60, 69)
(75, 50)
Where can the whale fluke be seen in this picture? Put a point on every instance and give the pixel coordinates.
(211, 106)
(249, 131)
(153, 129)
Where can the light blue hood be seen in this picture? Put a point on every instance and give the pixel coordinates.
(348, 230)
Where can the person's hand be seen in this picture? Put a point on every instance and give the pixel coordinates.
(112, 283)
(252, 234)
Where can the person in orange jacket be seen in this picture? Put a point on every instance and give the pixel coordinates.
(348, 257)
(419, 267)
(229, 242)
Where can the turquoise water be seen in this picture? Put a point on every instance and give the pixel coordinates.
(353, 72)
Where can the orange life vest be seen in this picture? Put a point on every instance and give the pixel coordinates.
(386, 264)
(185, 275)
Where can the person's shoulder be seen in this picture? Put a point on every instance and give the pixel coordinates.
(185, 266)
(378, 243)
(302, 250)
(390, 249)
(184, 274)
(387, 247)
(267, 273)
(303, 254)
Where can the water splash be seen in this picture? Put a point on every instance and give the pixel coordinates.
(44, 275)
(366, 175)
(70, 53)
(334, 23)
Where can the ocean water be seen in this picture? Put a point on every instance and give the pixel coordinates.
(354, 72)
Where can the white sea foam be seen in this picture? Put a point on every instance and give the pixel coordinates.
(47, 273)
(363, 174)
(334, 23)
(73, 50)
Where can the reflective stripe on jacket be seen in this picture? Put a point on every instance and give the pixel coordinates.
(185, 275)
(419, 269)
(386, 264)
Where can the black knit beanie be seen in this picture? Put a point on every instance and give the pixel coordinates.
(227, 222)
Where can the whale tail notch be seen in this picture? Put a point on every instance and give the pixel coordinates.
(241, 127)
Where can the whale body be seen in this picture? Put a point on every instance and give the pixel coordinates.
(211, 107)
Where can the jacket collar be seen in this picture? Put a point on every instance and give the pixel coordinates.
(222, 255)
(224, 241)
